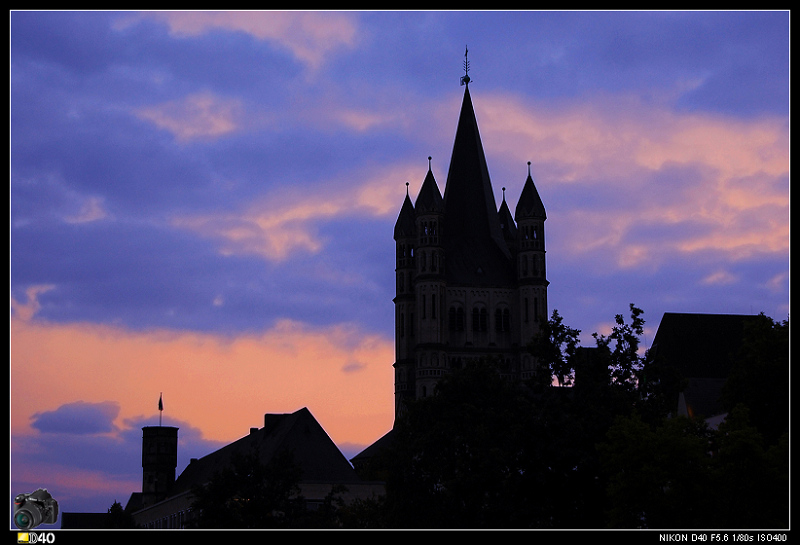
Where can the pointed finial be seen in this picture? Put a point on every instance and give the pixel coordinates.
(504, 193)
(529, 168)
(429, 162)
(406, 189)
(465, 77)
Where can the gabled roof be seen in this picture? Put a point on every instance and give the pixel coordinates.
(314, 452)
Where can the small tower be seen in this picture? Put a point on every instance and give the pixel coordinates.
(405, 236)
(159, 460)
(530, 263)
(429, 286)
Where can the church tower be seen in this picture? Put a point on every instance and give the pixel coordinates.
(159, 460)
(471, 278)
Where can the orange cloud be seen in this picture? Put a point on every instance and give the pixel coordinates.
(739, 206)
(605, 138)
(222, 385)
(285, 221)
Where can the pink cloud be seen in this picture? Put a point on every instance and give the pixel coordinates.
(739, 206)
(197, 116)
(309, 35)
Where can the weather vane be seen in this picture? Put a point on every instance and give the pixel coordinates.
(465, 77)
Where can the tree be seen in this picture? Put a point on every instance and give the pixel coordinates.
(554, 348)
(750, 483)
(250, 494)
(759, 378)
(460, 455)
(625, 361)
(118, 518)
(658, 477)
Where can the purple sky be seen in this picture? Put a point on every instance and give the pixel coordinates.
(213, 196)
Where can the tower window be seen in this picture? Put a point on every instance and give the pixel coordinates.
(455, 318)
(480, 319)
(502, 320)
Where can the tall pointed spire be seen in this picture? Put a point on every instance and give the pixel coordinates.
(471, 209)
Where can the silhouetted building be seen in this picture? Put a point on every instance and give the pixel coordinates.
(471, 278)
(696, 353)
(321, 463)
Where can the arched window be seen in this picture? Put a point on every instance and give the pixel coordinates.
(502, 320)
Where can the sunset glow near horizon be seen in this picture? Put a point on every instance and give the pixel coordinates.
(202, 203)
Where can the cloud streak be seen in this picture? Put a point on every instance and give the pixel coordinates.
(198, 116)
(286, 222)
(310, 36)
(716, 183)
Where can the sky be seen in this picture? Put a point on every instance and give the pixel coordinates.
(202, 204)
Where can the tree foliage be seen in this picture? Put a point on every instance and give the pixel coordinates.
(759, 378)
(554, 348)
(118, 518)
(252, 494)
(487, 453)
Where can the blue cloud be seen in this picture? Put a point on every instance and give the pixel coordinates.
(78, 418)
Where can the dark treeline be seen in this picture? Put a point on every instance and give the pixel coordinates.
(606, 452)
